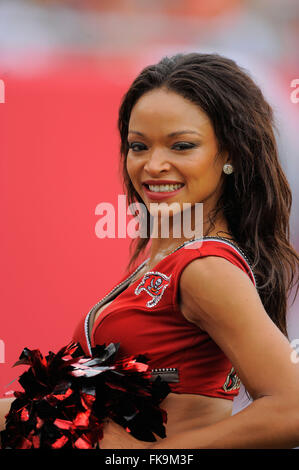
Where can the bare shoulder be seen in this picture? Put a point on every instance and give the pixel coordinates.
(221, 299)
(211, 284)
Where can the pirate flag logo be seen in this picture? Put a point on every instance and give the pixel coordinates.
(154, 283)
(232, 381)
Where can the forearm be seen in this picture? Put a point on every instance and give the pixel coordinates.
(4, 409)
(268, 423)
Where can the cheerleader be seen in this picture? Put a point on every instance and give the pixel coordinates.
(208, 311)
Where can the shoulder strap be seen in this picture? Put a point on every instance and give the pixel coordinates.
(217, 246)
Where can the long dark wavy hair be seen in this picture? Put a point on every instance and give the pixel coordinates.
(256, 199)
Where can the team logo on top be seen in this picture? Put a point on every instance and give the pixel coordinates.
(232, 381)
(154, 283)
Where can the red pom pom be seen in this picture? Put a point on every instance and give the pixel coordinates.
(68, 396)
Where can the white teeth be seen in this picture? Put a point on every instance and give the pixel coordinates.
(164, 187)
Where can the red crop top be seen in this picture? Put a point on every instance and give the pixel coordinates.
(145, 318)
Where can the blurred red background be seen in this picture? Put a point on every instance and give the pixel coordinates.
(59, 160)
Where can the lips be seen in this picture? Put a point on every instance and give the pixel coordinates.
(158, 195)
(159, 182)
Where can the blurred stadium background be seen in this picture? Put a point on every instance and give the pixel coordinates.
(65, 66)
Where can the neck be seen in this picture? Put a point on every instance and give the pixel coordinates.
(161, 246)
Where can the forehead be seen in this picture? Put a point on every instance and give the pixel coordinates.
(168, 109)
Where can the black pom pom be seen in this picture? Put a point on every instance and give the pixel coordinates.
(68, 396)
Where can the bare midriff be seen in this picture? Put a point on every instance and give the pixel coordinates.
(184, 412)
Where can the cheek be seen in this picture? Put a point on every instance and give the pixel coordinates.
(204, 174)
(132, 167)
(133, 170)
(200, 168)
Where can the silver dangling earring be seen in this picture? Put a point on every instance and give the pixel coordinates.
(228, 168)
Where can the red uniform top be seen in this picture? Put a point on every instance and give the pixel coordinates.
(145, 318)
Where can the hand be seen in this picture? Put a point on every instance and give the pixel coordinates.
(116, 437)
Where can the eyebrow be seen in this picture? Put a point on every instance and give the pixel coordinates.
(172, 134)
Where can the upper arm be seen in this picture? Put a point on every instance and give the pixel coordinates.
(221, 299)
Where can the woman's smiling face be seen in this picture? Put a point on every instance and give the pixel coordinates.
(171, 140)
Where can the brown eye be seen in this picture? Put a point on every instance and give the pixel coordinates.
(136, 146)
(183, 146)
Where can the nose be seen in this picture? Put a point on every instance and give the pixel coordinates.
(157, 163)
